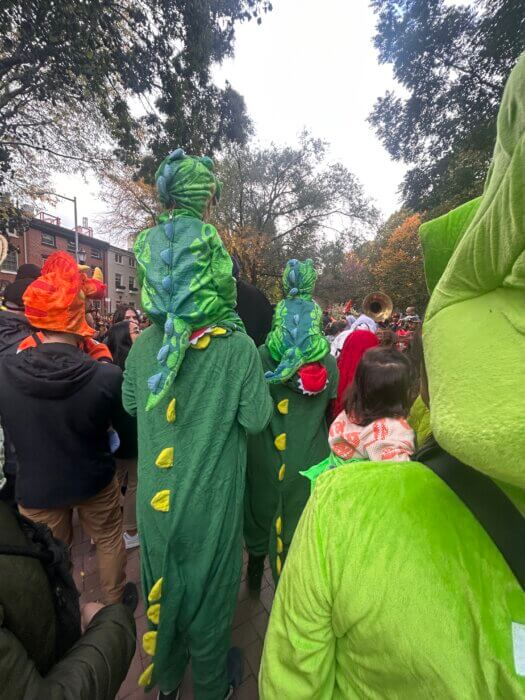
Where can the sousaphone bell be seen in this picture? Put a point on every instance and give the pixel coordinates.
(378, 306)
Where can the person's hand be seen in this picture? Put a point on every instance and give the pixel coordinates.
(87, 613)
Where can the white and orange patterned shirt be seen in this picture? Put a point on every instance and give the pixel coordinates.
(384, 440)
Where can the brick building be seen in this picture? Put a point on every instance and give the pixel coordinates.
(123, 288)
(44, 236)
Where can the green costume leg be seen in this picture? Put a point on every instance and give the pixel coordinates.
(260, 505)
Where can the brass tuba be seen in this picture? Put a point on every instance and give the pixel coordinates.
(378, 306)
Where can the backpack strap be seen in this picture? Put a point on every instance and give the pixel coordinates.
(492, 508)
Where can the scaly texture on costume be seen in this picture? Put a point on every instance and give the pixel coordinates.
(474, 332)
(184, 270)
(296, 337)
(186, 182)
(56, 301)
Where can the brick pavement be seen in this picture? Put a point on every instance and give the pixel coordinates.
(249, 624)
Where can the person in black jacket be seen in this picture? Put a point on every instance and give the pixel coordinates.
(14, 327)
(253, 307)
(58, 405)
(121, 336)
(30, 666)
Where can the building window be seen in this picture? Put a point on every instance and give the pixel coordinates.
(95, 253)
(132, 262)
(71, 246)
(132, 284)
(118, 258)
(118, 281)
(11, 262)
(49, 239)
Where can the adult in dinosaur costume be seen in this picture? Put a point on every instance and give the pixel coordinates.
(392, 588)
(303, 380)
(195, 382)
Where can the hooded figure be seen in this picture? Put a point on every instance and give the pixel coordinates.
(393, 588)
(303, 381)
(195, 382)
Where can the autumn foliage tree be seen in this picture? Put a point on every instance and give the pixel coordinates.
(398, 270)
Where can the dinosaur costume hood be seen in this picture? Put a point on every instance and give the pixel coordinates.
(184, 270)
(474, 331)
(296, 338)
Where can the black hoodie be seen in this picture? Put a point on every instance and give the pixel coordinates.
(57, 405)
(14, 327)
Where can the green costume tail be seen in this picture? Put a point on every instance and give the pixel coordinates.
(296, 337)
(184, 270)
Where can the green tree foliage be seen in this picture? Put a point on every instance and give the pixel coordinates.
(452, 61)
(285, 202)
(91, 63)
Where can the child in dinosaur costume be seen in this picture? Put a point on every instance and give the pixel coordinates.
(303, 380)
(392, 588)
(195, 382)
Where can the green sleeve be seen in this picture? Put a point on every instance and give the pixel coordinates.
(129, 399)
(94, 668)
(299, 654)
(255, 406)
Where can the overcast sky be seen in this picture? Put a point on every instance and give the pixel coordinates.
(309, 64)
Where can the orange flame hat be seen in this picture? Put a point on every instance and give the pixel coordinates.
(56, 300)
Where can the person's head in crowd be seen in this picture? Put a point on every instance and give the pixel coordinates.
(121, 337)
(14, 292)
(386, 337)
(380, 388)
(27, 271)
(55, 302)
(410, 311)
(333, 329)
(126, 313)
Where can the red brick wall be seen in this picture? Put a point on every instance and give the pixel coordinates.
(36, 250)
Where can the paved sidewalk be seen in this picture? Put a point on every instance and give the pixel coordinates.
(249, 624)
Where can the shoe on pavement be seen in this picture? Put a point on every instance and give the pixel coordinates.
(131, 541)
(254, 572)
(174, 695)
(130, 596)
(234, 668)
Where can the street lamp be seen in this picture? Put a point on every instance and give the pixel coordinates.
(81, 257)
(74, 200)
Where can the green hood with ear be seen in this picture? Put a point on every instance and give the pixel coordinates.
(474, 332)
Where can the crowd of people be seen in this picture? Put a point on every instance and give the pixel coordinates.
(384, 483)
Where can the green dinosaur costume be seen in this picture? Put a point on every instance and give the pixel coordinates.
(297, 435)
(392, 589)
(194, 408)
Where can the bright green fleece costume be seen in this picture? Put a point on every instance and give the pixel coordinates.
(392, 589)
(194, 410)
(297, 435)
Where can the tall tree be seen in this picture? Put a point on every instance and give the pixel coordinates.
(452, 62)
(398, 269)
(283, 202)
(62, 62)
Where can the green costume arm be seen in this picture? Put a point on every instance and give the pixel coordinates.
(255, 406)
(299, 654)
(474, 332)
(491, 251)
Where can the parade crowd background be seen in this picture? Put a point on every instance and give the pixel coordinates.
(299, 372)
